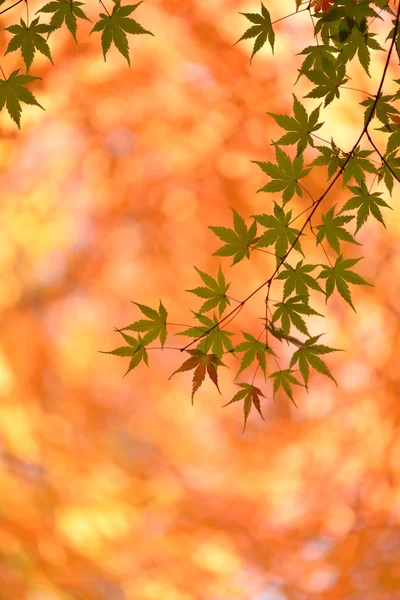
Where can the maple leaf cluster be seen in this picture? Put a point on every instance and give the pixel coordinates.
(29, 39)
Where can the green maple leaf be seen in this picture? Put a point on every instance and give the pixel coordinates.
(261, 30)
(253, 349)
(215, 291)
(386, 174)
(217, 340)
(332, 228)
(394, 139)
(316, 58)
(347, 14)
(250, 394)
(114, 27)
(327, 81)
(278, 232)
(308, 356)
(284, 175)
(13, 92)
(358, 41)
(299, 128)
(382, 109)
(357, 166)
(330, 157)
(285, 379)
(155, 324)
(289, 312)
(397, 43)
(298, 280)
(28, 39)
(136, 349)
(64, 11)
(384, 6)
(339, 276)
(237, 240)
(367, 203)
(202, 363)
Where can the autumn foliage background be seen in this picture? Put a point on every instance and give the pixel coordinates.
(119, 489)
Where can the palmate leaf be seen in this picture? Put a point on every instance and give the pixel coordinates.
(332, 228)
(114, 27)
(155, 325)
(250, 394)
(308, 356)
(289, 313)
(285, 379)
(253, 350)
(28, 40)
(386, 174)
(391, 34)
(393, 141)
(237, 240)
(13, 92)
(367, 203)
(357, 166)
(349, 13)
(299, 128)
(298, 280)
(64, 11)
(202, 363)
(327, 81)
(316, 58)
(327, 25)
(383, 5)
(329, 156)
(394, 129)
(214, 290)
(217, 340)
(285, 175)
(339, 276)
(136, 349)
(358, 41)
(261, 29)
(383, 110)
(278, 232)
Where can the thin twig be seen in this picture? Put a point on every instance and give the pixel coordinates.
(105, 7)
(10, 7)
(291, 15)
(383, 159)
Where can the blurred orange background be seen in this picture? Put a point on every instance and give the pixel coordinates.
(119, 489)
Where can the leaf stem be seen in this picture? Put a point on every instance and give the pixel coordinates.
(320, 244)
(105, 7)
(162, 348)
(345, 87)
(291, 15)
(234, 299)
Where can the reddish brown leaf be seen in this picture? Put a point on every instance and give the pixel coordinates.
(325, 5)
(202, 363)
